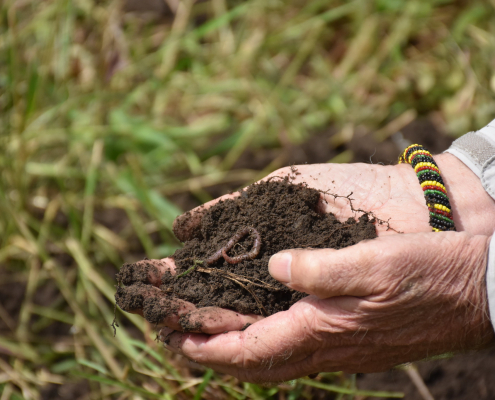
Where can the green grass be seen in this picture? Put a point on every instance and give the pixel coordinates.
(108, 117)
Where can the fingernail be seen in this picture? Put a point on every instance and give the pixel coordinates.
(279, 267)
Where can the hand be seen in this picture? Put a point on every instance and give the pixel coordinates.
(390, 192)
(374, 305)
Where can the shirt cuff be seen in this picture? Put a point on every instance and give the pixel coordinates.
(490, 280)
(477, 151)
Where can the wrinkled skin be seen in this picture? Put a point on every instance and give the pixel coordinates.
(395, 299)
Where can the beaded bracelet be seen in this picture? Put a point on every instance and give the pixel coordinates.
(433, 187)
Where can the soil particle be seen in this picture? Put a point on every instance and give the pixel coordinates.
(154, 303)
(129, 275)
(246, 326)
(187, 325)
(129, 299)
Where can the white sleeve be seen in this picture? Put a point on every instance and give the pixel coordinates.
(490, 280)
(477, 151)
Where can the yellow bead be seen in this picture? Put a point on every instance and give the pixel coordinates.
(442, 208)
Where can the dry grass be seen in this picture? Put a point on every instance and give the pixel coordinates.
(107, 115)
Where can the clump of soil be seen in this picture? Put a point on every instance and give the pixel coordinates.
(285, 215)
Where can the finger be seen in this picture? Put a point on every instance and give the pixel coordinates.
(212, 320)
(265, 370)
(153, 304)
(277, 341)
(145, 271)
(286, 345)
(370, 267)
(159, 309)
(323, 273)
(280, 337)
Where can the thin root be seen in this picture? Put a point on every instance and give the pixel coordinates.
(237, 279)
(231, 275)
(348, 197)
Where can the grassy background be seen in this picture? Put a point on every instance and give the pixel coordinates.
(112, 121)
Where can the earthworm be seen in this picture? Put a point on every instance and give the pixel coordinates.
(222, 252)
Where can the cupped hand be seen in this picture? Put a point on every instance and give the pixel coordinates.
(372, 306)
(391, 193)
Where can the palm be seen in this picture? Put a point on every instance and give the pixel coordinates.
(389, 192)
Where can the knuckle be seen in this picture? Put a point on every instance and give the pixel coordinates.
(366, 255)
(309, 321)
(309, 271)
(346, 327)
(246, 358)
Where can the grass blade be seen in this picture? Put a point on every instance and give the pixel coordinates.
(206, 379)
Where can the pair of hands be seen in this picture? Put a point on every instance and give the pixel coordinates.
(374, 305)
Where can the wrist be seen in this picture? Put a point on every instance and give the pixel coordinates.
(473, 260)
(473, 207)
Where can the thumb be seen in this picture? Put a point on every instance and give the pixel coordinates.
(382, 266)
(326, 272)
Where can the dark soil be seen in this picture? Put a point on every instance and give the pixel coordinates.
(285, 216)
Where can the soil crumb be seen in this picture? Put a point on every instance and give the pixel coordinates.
(285, 216)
